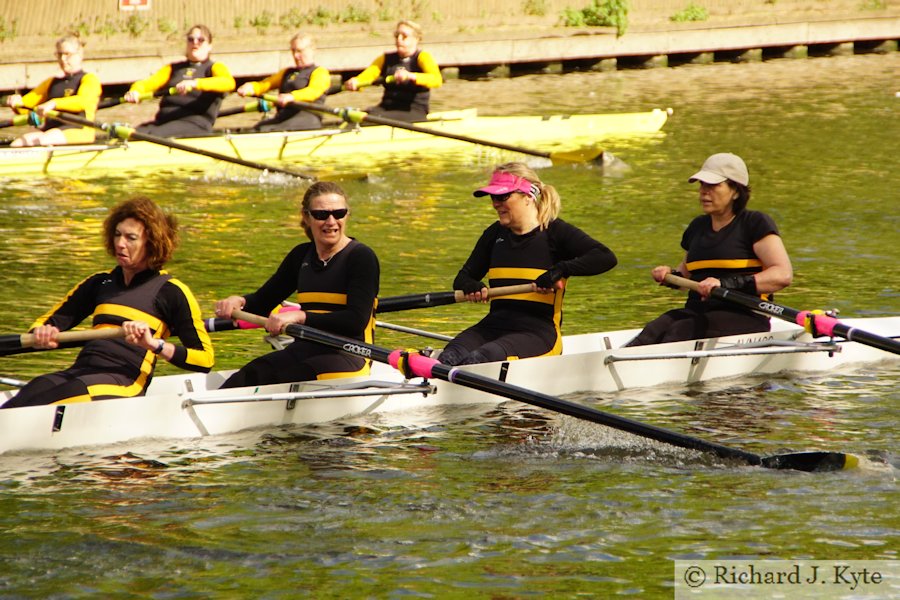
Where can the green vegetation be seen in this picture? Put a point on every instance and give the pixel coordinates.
(8, 29)
(873, 5)
(262, 21)
(135, 25)
(535, 8)
(167, 27)
(691, 12)
(600, 13)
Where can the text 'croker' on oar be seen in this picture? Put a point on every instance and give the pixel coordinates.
(412, 364)
(815, 322)
(126, 133)
(20, 342)
(352, 115)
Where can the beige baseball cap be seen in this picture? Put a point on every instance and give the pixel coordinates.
(720, 167)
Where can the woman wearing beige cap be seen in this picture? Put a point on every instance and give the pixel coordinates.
(728, 246)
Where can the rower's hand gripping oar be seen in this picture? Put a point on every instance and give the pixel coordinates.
(17, 343)
(390, 304)
(127, 133)
(427, 300)
(816, 323)
(352, 115)
(413, 364)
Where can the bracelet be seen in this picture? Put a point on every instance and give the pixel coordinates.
(159, 349)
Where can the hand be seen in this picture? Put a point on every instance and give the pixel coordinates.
(132, 96)
(276, 322)
(351, 84)
(225, 307)
(659, 273)
(401, 75)
(14, 100)
(706, 287)
(45, 337)
(284, 99)
(475, 291)
(245, 90)
(139, 334)
(548, 280)
(43, 109)
(185, 86)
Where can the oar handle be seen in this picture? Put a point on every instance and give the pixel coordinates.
(505, 290)
(86, 335)
(249, 317)
(682, 282)
(816, 323)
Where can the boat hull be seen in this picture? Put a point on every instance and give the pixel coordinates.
(190, 406)
(308, 148)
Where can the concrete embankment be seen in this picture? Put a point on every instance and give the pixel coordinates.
(500, 51)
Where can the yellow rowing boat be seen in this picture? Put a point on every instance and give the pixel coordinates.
(332, 145)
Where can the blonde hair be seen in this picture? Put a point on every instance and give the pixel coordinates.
(71, 37)
(417, 29)
(303, 36)
(547, 200)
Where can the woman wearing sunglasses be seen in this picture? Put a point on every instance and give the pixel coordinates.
(413, 73)
(336, 281)
(527, 244)
(193, 90)
(73, 91)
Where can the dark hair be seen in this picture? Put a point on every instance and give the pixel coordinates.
(161, 229)
(319, 188)
(206, 32)
(743, 192)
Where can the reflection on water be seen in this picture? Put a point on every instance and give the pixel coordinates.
(488, 501)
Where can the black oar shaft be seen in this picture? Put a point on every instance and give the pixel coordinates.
(430, 299)
(819, 323)
(130, 133)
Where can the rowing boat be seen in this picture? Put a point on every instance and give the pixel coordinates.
(188, 406)
(551, 133)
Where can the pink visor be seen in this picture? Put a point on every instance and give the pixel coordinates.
(504, 183)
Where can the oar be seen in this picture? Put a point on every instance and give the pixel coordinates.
(16, 343)
(814, 322)
(389, 304)
(414, 364)
(258, 105)
(26, 119)
(126, 133)
(429, 299)
(352, 115)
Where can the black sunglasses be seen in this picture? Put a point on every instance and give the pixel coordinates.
(322, 215)
(196, 40)
(500, 197)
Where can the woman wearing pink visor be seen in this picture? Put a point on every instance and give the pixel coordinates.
(527, 244)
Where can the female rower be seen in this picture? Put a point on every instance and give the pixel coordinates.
(728, 246)
(304, 82)
(527, 243)
(410, 73)
(74, 91)
(336, 280)
(148, 303)
(193, 90)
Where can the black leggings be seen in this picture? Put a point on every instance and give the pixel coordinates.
(76, 384)
(687, 324)
(301, 361)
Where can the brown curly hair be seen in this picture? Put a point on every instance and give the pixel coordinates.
(161, 229)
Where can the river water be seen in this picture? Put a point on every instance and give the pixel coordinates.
(501, 501)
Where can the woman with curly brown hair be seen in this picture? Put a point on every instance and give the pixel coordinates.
(148, 303)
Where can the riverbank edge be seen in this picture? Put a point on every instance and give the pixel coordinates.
(519, 52)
